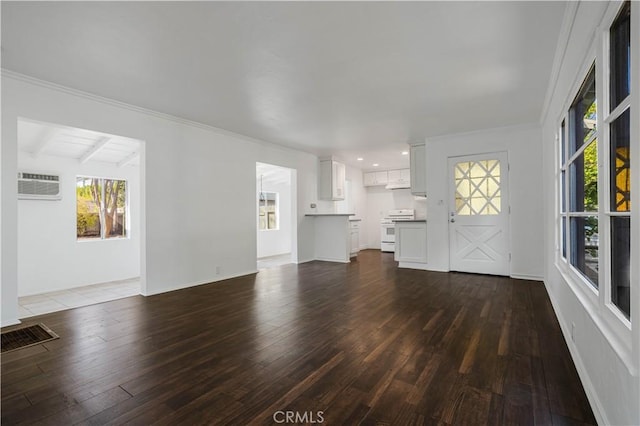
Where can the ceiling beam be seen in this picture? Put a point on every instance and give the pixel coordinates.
(46, 137)
(94, 149)
(129, 159)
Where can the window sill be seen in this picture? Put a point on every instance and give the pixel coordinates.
(90, 240)
(612, 325)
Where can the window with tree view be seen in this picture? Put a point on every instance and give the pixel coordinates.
(101, 208)
(268, 211)
(596, 236)
(619, 209)
(580, 194)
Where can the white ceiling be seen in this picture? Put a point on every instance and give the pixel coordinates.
(44, 139)
(342, 78)
(271, 174)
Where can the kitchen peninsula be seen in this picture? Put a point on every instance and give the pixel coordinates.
(332, 236)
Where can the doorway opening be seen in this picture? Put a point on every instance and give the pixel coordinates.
(79, 217)
(276, 211)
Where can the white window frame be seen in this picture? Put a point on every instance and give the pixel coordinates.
(127, 218)
(616, 328)
(266, 218)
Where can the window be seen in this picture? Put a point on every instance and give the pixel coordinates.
(595, 208)
(101, 208)
(618, 210)
(268, 211)
(580, 193)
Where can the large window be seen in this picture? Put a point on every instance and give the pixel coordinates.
(618, 209)
(595, 207)
(580, 176)
(268, 211)
(101, 208)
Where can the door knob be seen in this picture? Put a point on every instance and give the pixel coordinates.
(452, 220)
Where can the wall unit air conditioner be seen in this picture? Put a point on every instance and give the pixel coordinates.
(38, 186)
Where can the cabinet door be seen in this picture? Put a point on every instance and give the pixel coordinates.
(418, 170)
(339, 176)
(355, 240)
(394, 176)
(370, 179)
(382, 178)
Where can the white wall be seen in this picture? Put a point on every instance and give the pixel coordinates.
(50, 258)
(199, 202)
(607, 364)
(273, 242)
(522, 145)
(379, 202)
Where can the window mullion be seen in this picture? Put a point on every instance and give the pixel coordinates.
(619, 110)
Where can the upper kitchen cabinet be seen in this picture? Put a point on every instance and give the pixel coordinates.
(400, 176)
(418, 170)
(376, 178)
(331, 185)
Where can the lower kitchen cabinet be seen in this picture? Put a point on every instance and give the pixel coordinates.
(354, 233)
(411, 243)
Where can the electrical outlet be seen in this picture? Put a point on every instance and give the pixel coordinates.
(573, 331)
(217, 270)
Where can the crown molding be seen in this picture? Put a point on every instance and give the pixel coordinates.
(570, 12)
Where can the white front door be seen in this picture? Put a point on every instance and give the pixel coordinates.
(479, 214)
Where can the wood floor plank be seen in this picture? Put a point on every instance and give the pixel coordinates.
(365, 343)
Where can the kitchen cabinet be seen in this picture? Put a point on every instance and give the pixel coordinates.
(354, 234)
(400, 176)
(331, 185)
(376, 178)
(418, 170)
(411, 244)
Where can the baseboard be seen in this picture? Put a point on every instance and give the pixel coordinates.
(326, 259)
(11, 322)
(592, 396)
(413, 265)
(197, 283)
(527, 277)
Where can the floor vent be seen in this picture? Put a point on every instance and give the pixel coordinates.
(26, 336)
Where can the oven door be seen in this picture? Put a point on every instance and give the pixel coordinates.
(388, 234)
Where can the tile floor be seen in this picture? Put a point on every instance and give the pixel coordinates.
(273, 261)
(75, 297)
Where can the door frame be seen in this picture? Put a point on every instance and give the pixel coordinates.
(506, 171)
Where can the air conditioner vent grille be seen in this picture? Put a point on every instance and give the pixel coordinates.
(37, 186)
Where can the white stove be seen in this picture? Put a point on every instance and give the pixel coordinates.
(388, 228)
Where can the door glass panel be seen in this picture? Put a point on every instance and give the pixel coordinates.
(477, 187)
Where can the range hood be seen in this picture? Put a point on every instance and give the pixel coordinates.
(398, 185)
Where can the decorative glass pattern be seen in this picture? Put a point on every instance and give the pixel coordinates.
(477, 187)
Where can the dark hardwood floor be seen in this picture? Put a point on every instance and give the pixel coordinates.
(364, 343)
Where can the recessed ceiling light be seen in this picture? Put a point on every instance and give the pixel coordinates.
(375, 164)
(359, 158)
(405, 152)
